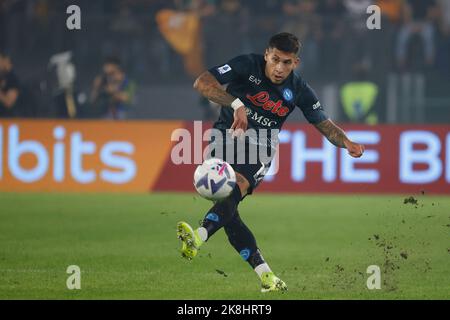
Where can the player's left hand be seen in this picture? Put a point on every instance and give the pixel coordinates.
(356, 150)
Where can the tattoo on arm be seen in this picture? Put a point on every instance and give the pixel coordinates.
(332, 132)
(211, 89)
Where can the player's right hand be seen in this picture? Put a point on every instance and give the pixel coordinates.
(240, 122)
(356, 150)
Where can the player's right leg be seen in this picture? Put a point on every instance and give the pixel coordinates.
(190, 239)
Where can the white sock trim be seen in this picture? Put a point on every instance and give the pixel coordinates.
(203, 233)
(262, 268)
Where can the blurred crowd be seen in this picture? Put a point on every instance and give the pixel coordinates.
(94, 72)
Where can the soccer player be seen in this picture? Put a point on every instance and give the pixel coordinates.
(262, 91)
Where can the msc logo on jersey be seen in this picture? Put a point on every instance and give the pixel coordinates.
(224, 69)
(287, 94)
(253, 115)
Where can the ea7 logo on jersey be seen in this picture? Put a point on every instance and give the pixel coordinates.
(316, 105)
(224, 69)
(253, 79)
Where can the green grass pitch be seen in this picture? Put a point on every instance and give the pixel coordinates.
(320, 245)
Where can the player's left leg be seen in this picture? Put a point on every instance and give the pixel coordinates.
(243, 240)
(240, 236)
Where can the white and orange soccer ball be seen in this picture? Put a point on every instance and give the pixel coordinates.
(214, 179)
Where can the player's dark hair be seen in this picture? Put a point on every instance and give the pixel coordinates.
(113, 60)
(285, 42)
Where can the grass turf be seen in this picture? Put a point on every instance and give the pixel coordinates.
(320, 245)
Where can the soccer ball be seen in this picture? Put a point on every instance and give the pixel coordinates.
(214, 179)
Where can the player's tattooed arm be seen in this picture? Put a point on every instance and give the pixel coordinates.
(211, 89)
(332, 132)
(337, 136)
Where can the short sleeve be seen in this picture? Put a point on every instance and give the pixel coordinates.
(233, 70)
(310, 105)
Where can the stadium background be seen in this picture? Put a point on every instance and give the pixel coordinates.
(391, 92)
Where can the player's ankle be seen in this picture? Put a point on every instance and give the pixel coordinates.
(201, 235)
(262, 269)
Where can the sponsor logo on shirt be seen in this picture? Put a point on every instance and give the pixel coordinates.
(262, 99)
(224, 69)
(254, 79)
(253, 115)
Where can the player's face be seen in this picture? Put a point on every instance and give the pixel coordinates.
(279, 64)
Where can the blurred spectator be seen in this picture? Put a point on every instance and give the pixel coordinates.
(182, 29)
(445, 16)
(419, 16)
(303, 21)
(3, 25)
(360, 44)
(264, 17)
(125, 22)
(9, 88)
(127, 28)
(113, 92)
(442, 60)
(187, 36)
(225, 36)
(332, 14)
(359, 97)
(227, 26)
(264, 7)
(384, 40)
